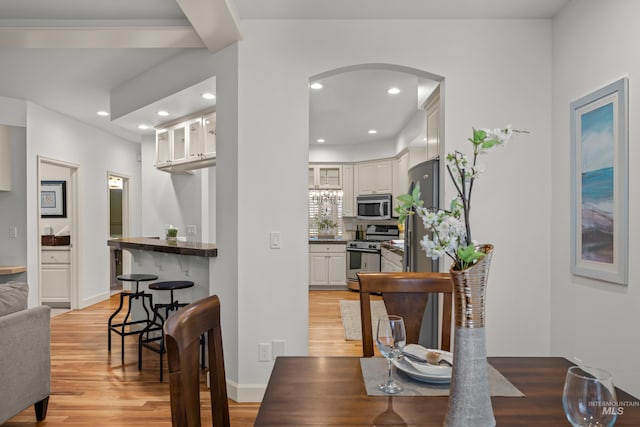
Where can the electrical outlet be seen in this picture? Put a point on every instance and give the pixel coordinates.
(264, 350)
(13, 232)
(191, 230)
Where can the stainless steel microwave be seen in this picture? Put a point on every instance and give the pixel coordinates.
(374, 206)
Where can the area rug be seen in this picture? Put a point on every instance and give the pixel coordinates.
(350, 312)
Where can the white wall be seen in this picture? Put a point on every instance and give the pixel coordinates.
(593, 45)
(62, 138)
(496, 72)
(13, 204)
(167, 198)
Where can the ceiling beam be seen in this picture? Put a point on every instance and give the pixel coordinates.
(213, 20)
(100, 37)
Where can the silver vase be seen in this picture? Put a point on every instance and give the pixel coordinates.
(469, 399)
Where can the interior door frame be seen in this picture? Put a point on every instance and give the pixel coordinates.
(73, 211)
(126, 256)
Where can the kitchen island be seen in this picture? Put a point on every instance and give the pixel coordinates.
(170, 260)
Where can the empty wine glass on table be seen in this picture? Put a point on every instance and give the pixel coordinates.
(391, 339)
(589, 397)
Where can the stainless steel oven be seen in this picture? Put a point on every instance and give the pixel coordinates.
(361, 260)
(364, 255)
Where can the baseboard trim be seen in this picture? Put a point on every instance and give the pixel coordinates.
(245, 393)
(94, 300)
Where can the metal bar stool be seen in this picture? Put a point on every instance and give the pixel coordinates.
(152, 337)
(120, 328)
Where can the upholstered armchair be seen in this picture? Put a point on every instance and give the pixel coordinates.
(25, 353)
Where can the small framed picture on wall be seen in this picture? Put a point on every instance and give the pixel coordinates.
(53, 199)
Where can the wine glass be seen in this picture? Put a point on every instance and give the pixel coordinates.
(589, 397)
(391, 338)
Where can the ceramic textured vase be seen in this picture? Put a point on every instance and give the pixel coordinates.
(469, 399)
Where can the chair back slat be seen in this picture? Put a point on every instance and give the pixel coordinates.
(182, 338)
(406, 295)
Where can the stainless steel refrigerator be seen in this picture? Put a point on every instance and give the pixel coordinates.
(415, 259)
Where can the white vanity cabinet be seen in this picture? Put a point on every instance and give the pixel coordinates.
(328, 265)
(55, 277)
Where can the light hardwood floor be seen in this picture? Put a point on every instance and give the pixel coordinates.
(91, 387)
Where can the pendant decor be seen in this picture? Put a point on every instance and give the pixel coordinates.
(469, 399)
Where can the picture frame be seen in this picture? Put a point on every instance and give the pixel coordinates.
(599, 184)
(53, 199)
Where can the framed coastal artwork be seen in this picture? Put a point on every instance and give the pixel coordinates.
(599, 184)
(53, 199)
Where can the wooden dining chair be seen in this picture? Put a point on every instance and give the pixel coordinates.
(182, 339)
(406, 295)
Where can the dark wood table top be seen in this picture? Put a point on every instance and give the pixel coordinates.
(330, 391)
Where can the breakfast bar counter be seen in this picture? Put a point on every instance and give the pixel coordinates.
(170, 261)
(165, 246)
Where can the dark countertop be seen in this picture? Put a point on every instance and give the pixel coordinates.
(158, 245)
(315, 241)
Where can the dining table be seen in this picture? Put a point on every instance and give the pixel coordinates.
(330, 391)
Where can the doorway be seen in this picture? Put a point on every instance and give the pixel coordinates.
(118, 225)
(57, 226)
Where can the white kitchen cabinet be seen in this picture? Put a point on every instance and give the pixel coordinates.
(209, 141)
(400, 177)
(375, 177)
(163, 147)
(327, 265)
(325, 177)
(5, 159)
(187, 144)
(179, 137)
(196, 138)
(390, 261)
(433, 127)
(55, 285)
(348, 196)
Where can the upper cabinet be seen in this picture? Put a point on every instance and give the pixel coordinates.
(433, 127)
(5, 159)
(187, 144)
(375, 177)
(400, 177)
(325, 177)
(202, 137)
(348, 197)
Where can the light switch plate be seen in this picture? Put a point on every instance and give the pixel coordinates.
(275, 237)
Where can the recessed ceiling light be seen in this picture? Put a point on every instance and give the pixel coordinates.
(163, 113)
(316, 86)
(208, 95)
(102, 113)
(393, 91)
(143, 127)
(320, 140)
(372, 131)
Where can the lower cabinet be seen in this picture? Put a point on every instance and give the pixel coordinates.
(327, 265)
(389, 261)
(55, 279)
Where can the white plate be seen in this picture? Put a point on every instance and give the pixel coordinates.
(436, 375)
(405, 367)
